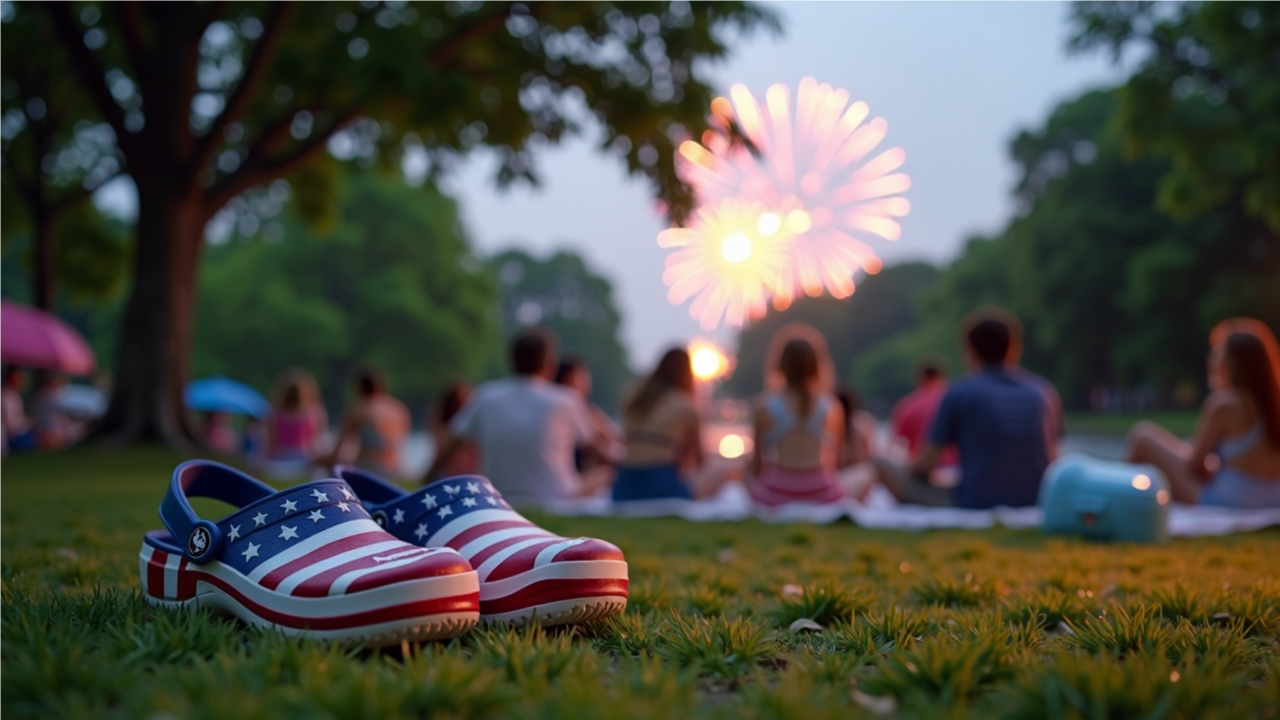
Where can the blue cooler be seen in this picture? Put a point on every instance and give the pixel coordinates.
(1105, 500)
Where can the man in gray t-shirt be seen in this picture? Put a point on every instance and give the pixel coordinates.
(525, 427)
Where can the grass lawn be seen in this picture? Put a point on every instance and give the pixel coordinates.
(938, 624)
(1179, 422)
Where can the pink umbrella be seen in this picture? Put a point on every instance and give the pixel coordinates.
(37, 339)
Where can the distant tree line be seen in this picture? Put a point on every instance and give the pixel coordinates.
(1115, 291)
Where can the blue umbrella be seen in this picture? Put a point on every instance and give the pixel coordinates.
(220, 394)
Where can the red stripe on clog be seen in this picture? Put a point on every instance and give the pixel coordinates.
(273, 579)
(521, 561)
(545, 592)
(155, 573)
(483, 529)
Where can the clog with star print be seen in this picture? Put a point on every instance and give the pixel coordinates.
(306, 561)
(526, 573)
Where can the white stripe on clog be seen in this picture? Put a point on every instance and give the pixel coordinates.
(549, 553)
(313, 543)
(289, 584)
(485, 541)
(340, 585)
(171, 576)
(470, 520)
(497, 558)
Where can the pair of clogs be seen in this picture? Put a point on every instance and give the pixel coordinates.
(355, 559)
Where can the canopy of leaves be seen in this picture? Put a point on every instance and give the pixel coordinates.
(1207, 97)
(392, 285)
(1112, 292)
(563, 294)
(883, 305)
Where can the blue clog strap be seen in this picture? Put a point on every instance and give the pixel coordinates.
(201, 539)
(418, 514)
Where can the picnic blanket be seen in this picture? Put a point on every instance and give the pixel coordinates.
(882, 511)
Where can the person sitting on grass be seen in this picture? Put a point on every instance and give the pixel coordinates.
(377, 421)
(1233, 458)
(799, 434)
(298, 418)
(573, 373)
(526, 428)
(1000, 418)
(18, 435)
(663, 435)
(466, 459)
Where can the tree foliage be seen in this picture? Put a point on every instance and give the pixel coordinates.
(393, 285)
(1207, 97)
(884, 304)
(1113, 292)
(563, 294)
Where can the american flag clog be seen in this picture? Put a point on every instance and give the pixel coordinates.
(526, 573)
(306, 561)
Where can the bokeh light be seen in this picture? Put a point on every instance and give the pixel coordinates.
(724, 263)
(732, 447)
(814, 173)
(708, 360)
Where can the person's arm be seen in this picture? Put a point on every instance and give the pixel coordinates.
(845, 441)
(761, 424)
(1214, 414)
(350, 427)
(693, 439)
(927, 461)
(445, 451)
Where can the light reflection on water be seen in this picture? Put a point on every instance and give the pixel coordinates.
(418, 449)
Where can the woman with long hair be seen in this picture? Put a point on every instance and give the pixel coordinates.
(799, 432)
(1234, 457)
(663, 436)
(298, 418)
(466, 459)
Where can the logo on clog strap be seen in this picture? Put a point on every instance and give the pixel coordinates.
(199, 541)
(380, 517)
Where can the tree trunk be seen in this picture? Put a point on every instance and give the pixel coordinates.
(151, 371)
(46, 250)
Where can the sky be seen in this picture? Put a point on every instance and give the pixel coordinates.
(955, 81)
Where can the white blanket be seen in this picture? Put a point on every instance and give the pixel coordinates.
(881, 511)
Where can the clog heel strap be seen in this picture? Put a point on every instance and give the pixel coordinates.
(201, 539)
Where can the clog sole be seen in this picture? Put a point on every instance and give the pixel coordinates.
(379, 616)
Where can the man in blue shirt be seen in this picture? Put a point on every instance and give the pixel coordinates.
(1004, 420)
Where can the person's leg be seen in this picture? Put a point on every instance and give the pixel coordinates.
(1150, 444)
(596, 479)
(707, 480)
(910, 488)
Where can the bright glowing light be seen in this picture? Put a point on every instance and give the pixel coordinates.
(708, 361)
(814, 172)
(732, 446)
(1141, 482)
(769, 224)
(723, 263)
(736, 248)
(799, 222)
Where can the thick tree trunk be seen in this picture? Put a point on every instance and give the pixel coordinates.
(152, 367)
(46, 261)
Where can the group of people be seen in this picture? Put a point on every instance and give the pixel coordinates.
(979, 441)
(48, 426)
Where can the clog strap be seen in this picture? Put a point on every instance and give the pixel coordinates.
(202, 539)
(425, 508)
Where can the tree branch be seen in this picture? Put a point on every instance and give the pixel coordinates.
(90, 72)
(255, 72)
(131, 25)
(257, 170)
(477, 28)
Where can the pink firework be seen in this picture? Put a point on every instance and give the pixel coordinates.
(724, 262)
(816, 176)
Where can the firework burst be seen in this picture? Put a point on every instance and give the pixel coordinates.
(814, 173)
(725, 262)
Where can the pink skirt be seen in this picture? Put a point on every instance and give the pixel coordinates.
(779, 486)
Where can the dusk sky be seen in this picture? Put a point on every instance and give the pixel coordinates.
(955, 81)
